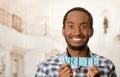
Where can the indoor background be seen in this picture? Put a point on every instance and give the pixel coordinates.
(30, 31)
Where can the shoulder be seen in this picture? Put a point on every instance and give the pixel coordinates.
(106, 66)
(50, 62)
(47, 65)
(103, 60)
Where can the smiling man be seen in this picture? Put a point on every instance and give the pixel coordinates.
(77, 30)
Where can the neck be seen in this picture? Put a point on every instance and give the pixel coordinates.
(78, 53)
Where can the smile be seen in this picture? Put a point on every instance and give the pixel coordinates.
(76, 39)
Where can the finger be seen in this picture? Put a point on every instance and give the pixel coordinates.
(64, 68)
(64, 65)
(88, 74)
(66, 74)
(70, 74)
(94, 69)
(69, 70)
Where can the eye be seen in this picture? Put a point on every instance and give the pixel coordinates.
(84, 26)
(71, 26)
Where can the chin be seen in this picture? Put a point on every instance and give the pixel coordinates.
(77, 47)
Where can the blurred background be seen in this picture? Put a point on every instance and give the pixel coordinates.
(30, 32)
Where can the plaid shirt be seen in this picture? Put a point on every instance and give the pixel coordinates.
(50, 67)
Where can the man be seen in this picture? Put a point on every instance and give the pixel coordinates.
(77, 29)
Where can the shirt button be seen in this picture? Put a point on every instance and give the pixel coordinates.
(78, 69)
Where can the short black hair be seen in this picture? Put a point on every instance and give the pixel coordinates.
(81, 10)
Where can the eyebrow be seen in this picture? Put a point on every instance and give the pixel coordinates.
(84, 23)
(70, 22)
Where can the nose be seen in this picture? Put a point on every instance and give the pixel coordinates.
(77, 31)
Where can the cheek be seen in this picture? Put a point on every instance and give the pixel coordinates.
(86, 33)
(67, 32)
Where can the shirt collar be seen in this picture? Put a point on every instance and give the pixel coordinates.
(90, 54)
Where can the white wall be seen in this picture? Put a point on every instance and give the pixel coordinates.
(105, 45)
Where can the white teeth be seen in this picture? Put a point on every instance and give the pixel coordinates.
(77, 39)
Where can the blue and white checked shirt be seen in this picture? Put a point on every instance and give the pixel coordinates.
(50, 67)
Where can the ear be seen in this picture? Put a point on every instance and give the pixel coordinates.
(63, 31)
(91, 31)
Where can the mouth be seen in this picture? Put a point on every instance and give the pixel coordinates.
(76, 39)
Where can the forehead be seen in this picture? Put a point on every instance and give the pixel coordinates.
(77, 15)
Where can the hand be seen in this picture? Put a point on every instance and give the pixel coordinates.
(65, 71)
(93, 72)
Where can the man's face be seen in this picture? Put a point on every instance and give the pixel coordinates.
(77, 30)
